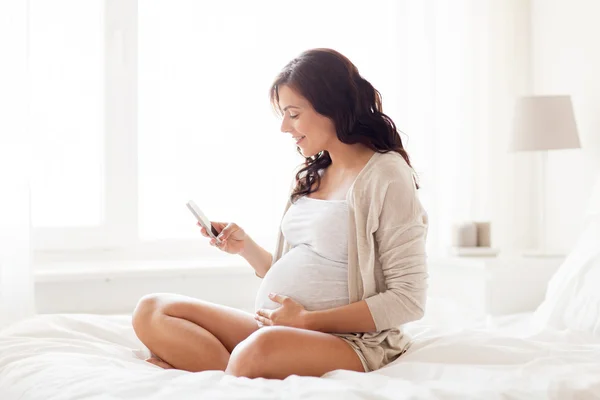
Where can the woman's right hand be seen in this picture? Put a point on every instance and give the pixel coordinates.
(232, 237)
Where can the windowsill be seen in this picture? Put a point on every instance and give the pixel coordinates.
(108, 270)
(94, 269)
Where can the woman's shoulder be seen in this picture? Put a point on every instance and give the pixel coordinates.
(384, 169)
(386, 179)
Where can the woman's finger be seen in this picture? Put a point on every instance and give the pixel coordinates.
(265, 321)
(224, 234)
(264, 313)
(278, 298)
(219, 226)
(227, 231)
(202, 230)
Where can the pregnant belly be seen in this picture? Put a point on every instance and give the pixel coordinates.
(314, 282)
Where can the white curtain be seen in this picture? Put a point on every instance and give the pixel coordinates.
(16, 282)
(465, 61)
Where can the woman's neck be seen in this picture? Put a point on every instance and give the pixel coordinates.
(349, 156)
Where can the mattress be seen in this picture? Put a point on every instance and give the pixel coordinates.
(99, 357)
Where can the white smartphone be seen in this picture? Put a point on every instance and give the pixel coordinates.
(204, 222)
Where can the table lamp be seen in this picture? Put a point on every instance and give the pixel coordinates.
(541, 124)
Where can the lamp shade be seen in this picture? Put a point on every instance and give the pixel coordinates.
(544, 123)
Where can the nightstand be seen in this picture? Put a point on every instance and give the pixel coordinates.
(490, 286)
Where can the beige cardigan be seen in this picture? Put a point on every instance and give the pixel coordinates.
(386, 244)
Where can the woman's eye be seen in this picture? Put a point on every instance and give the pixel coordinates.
(293, 116)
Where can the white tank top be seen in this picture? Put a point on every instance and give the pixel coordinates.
(315, 270)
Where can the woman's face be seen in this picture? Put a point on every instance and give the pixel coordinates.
(311, 131)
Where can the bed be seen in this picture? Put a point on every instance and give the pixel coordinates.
(99, 357)
(552, 353)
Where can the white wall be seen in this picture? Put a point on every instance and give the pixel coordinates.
(117, 290)
(566, 59)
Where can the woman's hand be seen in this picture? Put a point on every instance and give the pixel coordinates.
(291, 313)
(233, 238)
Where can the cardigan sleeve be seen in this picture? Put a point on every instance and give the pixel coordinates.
(400, 239)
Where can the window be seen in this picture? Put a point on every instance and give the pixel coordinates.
(66, 70)
(67, 123)
(141, 106)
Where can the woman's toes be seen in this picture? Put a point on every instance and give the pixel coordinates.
(160, 363)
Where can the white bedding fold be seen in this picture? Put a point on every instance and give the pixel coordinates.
(93, 357)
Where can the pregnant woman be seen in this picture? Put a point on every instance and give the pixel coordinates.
(349, 267)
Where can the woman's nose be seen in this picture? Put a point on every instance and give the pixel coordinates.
(285, 125)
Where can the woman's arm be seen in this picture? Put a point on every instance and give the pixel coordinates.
(401, 251)
(354, 317)
(259, 258)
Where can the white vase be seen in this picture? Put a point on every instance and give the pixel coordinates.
(464, 234)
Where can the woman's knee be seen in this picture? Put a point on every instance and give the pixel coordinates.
(145, 311)
(253, 357)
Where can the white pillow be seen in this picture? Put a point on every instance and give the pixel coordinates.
(573, 297)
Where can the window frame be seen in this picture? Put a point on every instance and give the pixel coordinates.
(118, 229)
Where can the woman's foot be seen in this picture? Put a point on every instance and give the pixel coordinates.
(159, 362)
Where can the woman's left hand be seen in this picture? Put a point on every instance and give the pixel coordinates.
(291, 313)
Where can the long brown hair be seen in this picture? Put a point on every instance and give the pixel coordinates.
(335, 89)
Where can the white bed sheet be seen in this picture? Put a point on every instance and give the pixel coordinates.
(91, 357)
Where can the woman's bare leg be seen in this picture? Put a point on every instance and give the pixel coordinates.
(190, 334)
(276, 352)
